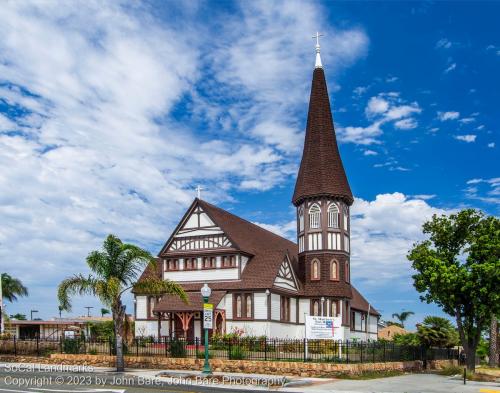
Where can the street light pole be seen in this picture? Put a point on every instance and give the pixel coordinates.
(205, 293)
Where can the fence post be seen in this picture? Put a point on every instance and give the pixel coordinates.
(373, 346)
(15, 346)
(136, 347)
(265, 349)
(229, 349)
(361, 352)
(196, 345)
(166, 347)
(305, 349)
(110, 346)
(37, 346)
(384, 351)
(347, 351)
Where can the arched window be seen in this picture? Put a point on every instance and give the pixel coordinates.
(238, 306)
(301, 219)
(334, 270)
(315, 307)
(314, 216)
(333, 216)
(333, 308)
(345, 210)
(248, 309)
(347, 272)
(315, 270)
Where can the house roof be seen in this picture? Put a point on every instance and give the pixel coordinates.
(321, 170)
(358, 302)
(169, 303)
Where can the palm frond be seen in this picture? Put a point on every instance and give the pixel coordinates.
(12, 288)
(75, 285)
(131, 262)
(98, 263)
(156, 286)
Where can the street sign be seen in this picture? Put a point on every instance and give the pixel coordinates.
(208, 315)
(323, 328)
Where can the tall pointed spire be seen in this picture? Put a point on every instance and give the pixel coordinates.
(321, 170)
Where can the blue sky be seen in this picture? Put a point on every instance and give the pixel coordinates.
(111, 114)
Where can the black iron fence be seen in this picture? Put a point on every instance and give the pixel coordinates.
(299, 350)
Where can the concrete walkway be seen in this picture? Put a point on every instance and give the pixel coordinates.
(412, 383)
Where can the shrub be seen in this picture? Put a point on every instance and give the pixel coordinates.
(201, 355)
(178, 349)
(73, 345)
(237, 353)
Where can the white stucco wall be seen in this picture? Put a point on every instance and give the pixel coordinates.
(260, 305)
(270, 329)
(141, 307)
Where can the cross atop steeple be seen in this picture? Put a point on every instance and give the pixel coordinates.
(318, 57)
(199, 189)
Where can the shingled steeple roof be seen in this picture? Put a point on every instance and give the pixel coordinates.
(321, 171)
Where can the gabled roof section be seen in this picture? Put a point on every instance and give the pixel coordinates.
(359, 302)
(321, 170)
(286, 278)
(248, 237)
(195, 223)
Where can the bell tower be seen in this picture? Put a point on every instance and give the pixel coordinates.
(323, 198)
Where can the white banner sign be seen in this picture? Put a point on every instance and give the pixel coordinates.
(208, 316)
(323, 328)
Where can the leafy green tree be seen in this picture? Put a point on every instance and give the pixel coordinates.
(12, 288)
(104, 311)
(409, 339)
(458, 268)
(437, 332)
(115, 270)
(19, 317)
(402, 317)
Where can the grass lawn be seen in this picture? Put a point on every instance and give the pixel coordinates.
(371, 375)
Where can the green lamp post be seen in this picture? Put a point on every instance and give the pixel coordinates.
(205, 293)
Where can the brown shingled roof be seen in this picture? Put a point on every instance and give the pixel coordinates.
(174, 303)
(321, 170)
(360, 303)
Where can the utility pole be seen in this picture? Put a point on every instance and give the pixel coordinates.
(88, 310)
(31, 312)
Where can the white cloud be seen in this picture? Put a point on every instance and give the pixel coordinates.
(491, 144)
(451, 115)
(381, 109)
(425, 197)
(99, 151)
(391, 79)
(466, 138)
(443, 43)
(360, 90)
(406, 124)
(287, 229)
(450, 68)
(467, 120)
(485, 190)
(383, 231)
(370, 153)
(376, 105)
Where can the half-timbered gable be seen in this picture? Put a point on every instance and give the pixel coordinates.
(286, 279)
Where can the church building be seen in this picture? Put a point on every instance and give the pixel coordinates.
(262, 283)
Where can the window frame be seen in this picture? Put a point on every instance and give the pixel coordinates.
(317, 221)
(301, 219)
(285, 309)
(336, 263)
(337, 305)
(175, 262)
(311, 309)
(347, 272)
(330, 214)
(314, 262)
(244, 296)
(232, 262)
(210, 259)
(194, 264)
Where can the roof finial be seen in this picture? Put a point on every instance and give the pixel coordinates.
(199, 189)
(318, 57)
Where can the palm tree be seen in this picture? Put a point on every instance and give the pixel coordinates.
(403, 316)
(104, 311)
(493, 350)
(115, 270)
(12, 288)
